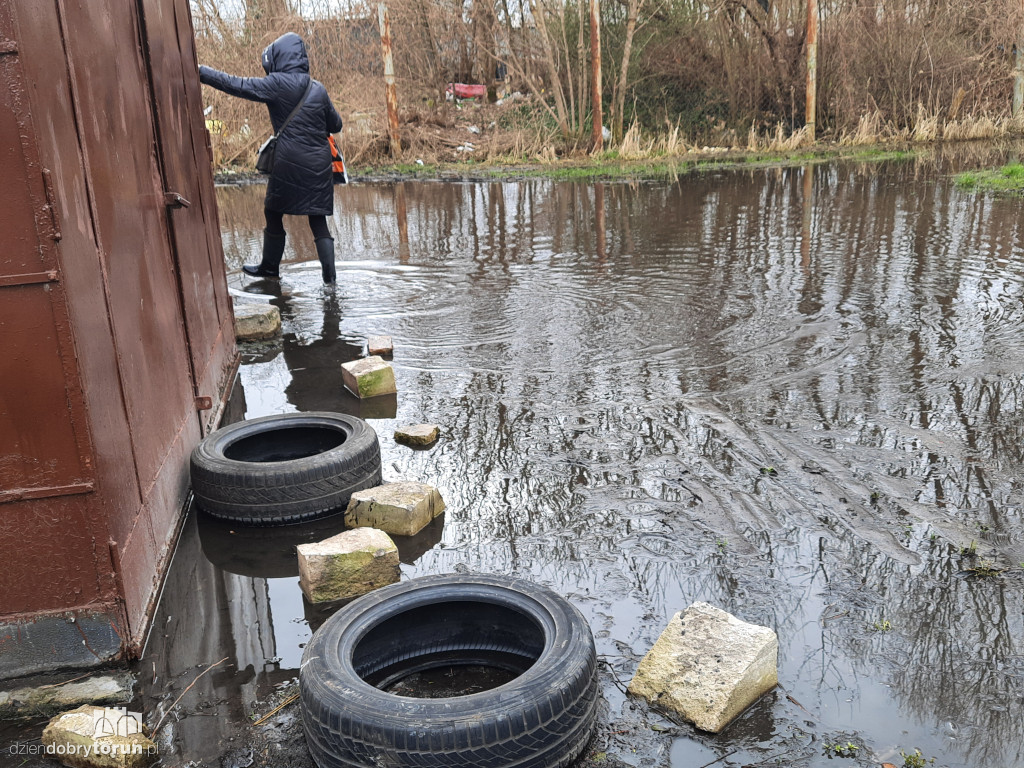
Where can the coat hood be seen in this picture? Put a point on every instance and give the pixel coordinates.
(286, 54)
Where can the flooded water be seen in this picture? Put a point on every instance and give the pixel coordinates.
(793, 393)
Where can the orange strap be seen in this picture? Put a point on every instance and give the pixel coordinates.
(337, 161)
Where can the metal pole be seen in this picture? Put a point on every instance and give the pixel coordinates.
(812, 67)
(390, 92)
(595, 79)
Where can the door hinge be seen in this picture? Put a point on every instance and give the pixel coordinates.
(204, 403)
(174, 200)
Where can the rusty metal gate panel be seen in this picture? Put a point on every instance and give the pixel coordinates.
(63, 155)
(131, 225)
(114, 315)
(43, 451)
(184, 146)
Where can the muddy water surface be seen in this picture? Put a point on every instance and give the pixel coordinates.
(795, 394)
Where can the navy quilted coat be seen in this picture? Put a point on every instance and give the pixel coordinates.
(301, 183)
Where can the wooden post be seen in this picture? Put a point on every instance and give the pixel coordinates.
(390, 92)
(1018, 74)
(595, 74)
(812, 67)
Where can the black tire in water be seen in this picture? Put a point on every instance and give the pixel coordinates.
(542, 718)
(284, 468)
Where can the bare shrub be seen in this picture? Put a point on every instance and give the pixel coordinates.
(899, 57)
(725, 73)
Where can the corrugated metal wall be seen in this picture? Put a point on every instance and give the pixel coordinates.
(115, 321)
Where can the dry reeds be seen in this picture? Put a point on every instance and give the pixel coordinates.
(777, 140)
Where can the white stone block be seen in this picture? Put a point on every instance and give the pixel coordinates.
(255, 322)
(401, 509)
(379, 345)
(98, 737)
(708, 666)
(368, 377)
(347, 565)
(417, 434)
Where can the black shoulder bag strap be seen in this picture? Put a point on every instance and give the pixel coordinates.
(298, 106)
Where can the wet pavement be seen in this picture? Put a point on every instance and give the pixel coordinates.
(793, 393)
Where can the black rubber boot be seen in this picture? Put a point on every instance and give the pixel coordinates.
(273, 250)
(325, 252)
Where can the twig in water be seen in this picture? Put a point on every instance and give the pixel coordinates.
(727, 754)
(798, 704)
(618, 684)
(171, 708)
(290, 700)
(58, 685)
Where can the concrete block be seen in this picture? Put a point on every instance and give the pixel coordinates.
(401, 509)
(347, 565)
(708, 666)
(51, 699)
(368, 377)
(255, 322)
(98, 737)
(417, 434)
(379, 345)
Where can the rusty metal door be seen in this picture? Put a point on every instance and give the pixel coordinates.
(114, 311)
(141, 286)
(183, 144)
(43, 451)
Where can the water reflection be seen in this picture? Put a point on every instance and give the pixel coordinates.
(794, 393)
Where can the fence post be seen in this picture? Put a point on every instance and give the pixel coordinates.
(812, 67)
(390, 92)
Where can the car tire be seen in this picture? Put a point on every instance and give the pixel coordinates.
(285, 468)
(542, 718)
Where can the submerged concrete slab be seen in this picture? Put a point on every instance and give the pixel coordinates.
(51, 699)
(369, 377)
(256, 322)
(418, 434)
(402, 509)
(347, 565)
(98, 737)
(708, 666)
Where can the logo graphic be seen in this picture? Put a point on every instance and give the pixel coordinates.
(115, 721)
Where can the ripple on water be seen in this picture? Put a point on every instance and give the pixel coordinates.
(800, 412)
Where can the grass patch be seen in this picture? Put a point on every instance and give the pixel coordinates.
(612, 166)
(1007, 180)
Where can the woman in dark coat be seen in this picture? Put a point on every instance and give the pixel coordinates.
(301, 182)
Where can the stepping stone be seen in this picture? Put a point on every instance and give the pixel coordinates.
(401, 509)
(347, 565)
(99, 737)
(368, 377)
(417, 434)
(379, 345)
(708, 666)
(256, 322)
